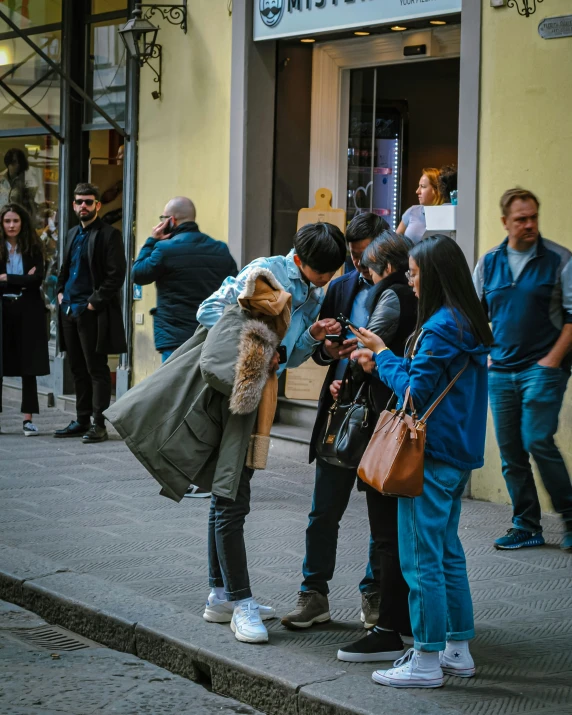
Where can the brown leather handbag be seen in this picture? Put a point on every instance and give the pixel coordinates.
(393, 460)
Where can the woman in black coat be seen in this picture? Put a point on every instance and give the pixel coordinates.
(24, 334)
(392, 308)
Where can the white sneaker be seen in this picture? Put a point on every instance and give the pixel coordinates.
(406, 673)
(217, 611)
(455, 662)
(247, 625)
(30, 429)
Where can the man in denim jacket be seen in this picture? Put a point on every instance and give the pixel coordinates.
(319, 251)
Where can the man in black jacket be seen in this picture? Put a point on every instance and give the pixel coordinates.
(333, 485)
(187, 267)
(90, 319)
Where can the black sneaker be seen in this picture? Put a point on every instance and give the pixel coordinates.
(377, 645)
(74, 429)
(95, 434)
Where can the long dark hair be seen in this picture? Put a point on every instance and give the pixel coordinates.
(445, 280)
(27, 241)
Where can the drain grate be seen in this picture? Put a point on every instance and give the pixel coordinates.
(53, 638)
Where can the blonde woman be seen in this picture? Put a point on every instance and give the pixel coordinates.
(413, 222)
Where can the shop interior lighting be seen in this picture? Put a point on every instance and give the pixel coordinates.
(437, 22)
(5, 56)
(308, 40)
(362, 33)
(398, 28)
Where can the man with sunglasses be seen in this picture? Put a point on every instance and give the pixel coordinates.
(90, 318)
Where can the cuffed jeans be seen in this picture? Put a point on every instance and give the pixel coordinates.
(433, 561)
(332, 491)
(525, 407)
(228, 568)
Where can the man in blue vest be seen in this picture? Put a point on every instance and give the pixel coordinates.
(526, 287)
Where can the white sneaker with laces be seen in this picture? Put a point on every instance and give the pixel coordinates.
(246, 623)
(219, 611)
(456, 661)
(407, 673)
(30, 429)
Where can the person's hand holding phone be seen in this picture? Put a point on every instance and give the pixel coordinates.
(340, 349)
(162, 230)
(368, 339)
(327, 326)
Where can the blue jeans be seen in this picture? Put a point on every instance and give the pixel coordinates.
(332, 491)
(166, 354)
(433, 561)
(226, 549)
(525, 407)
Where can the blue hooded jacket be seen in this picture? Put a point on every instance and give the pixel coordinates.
(456, 429)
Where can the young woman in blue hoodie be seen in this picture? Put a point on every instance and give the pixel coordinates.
(452, 333)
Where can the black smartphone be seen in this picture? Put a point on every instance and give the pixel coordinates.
(346, 322)
(335, 338)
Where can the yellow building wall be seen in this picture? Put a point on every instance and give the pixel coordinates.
(184, 141)
(525, 140)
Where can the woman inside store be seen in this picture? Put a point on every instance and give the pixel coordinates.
(452, 338)
(413, 221)
(24, 334)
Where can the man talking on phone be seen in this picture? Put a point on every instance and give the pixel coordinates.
(187, 266)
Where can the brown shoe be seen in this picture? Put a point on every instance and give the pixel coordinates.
(370, 609)
(311, 608)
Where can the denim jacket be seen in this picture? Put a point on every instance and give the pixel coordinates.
(306, 303)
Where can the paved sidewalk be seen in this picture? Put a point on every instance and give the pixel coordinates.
(93, 509)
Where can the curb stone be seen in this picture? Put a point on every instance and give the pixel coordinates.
(261, 676)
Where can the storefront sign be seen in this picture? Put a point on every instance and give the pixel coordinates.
(553, 27)
(292, 18)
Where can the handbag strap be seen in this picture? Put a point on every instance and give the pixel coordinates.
(430, 411)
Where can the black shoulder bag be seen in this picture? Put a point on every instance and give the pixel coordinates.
(349, 426)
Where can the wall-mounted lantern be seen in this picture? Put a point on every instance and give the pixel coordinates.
(139, 35)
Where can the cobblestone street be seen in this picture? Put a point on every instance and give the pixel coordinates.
(45, 670)
(94, 510)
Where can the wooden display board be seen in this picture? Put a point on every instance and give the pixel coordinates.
(305, 382)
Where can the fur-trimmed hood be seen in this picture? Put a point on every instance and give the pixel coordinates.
(270, 307)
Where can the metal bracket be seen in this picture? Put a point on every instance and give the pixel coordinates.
(156, 55)
(64, 76)
(174, 14)
(528, 9)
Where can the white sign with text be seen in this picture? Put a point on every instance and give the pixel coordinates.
(295, 18)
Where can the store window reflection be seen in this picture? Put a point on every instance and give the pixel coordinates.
(106, 80)
(30, 178)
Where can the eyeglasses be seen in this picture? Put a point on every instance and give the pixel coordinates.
(87, 202)
(164, 218)
(410, 277)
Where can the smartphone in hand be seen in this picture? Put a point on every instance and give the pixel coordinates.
(346, 322)
(338, 339)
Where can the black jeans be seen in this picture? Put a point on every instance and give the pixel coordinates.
(89, 368)
(332, 491)
(30, 403)
(227, 552)
(394, 591)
